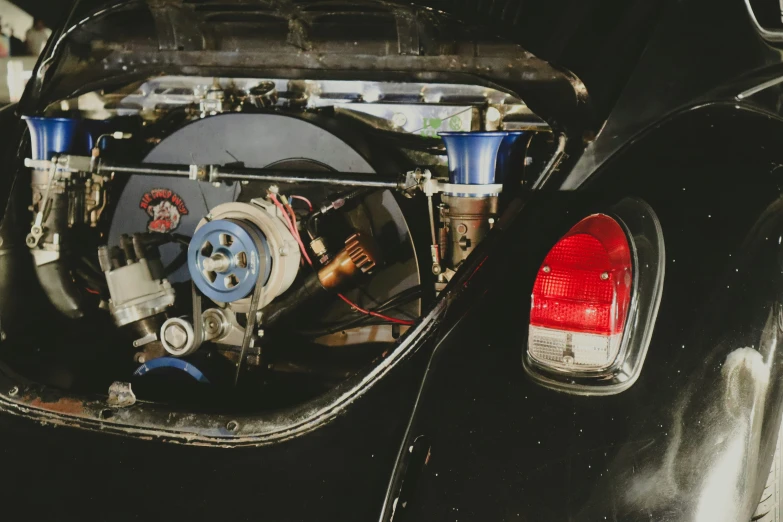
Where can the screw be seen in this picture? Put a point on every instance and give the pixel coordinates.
(604, 276)
(399, 119)
(462, 228)
(546, 269)
(232, 426)
(13, 392)
(436, 269)
(493, 115)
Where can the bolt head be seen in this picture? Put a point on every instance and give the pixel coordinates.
(604, 276)
(493, 115)
(546, 269)
(399, 119)
(176, 336)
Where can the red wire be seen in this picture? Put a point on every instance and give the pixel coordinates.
(295, 229)
(350, 303)
(273, 198)
(292, 228)
(95, 292)
(374, 314)
(293, 220)
(302, 198)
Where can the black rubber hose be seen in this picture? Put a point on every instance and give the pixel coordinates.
(312, 221)
(309, 291)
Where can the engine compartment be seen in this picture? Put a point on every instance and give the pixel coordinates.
(238, 244)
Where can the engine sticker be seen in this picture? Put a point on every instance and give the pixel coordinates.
(165, 209)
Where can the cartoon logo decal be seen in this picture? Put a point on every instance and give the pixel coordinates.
(165, 209)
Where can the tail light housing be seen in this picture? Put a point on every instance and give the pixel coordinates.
(594, 302)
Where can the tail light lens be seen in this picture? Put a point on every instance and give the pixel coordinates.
(581, 298)
(595, 301)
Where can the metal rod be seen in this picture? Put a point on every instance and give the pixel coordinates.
(216, 173)
(147, 169)
(758, 88)
(554, 161)
(324, 178)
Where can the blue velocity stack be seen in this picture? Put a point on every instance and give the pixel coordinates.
(50, 136)
(511, 155)
(470, 200)
(473, 156)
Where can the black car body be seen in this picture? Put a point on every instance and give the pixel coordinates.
(671, 115)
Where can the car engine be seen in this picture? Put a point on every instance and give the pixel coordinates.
(256, 241)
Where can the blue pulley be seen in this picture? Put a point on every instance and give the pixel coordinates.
(227, 258)
(473, 156)
(171, 362)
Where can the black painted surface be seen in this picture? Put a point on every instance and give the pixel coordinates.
(693, 438)
(338, 472)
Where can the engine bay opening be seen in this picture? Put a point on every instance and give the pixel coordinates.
(246, 245)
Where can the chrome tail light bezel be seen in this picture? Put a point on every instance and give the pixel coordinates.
(648, 256)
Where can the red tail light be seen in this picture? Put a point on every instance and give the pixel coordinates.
(581, 297)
